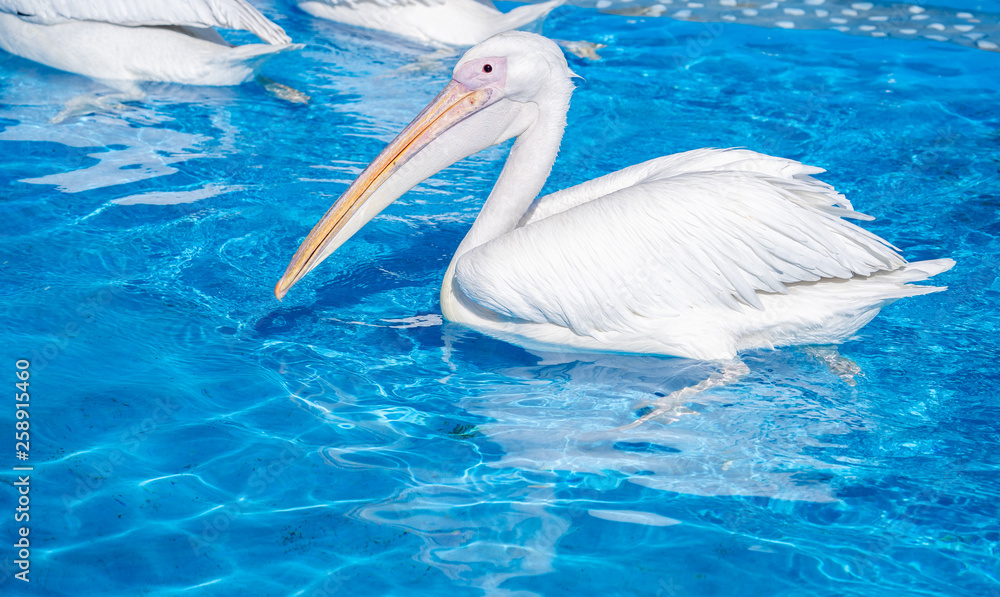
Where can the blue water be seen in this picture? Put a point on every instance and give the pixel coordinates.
(190, 434)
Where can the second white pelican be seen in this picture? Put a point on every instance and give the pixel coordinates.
(171, 41)
(448, 22)
(700, 254)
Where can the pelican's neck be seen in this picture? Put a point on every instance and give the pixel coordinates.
(522, 178)
(527, 168)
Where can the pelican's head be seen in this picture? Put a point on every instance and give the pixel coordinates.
(497, 90)
(522, 67)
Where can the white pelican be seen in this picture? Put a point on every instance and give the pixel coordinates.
(448, 22)
(140, 40)
(700, 254)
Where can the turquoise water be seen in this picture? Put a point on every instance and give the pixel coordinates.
(190, 434)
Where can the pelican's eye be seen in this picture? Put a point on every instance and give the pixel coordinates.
(475, 74)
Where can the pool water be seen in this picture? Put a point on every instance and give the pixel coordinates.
(192, 435)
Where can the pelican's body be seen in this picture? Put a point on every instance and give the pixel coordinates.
(701, 254)
(723, 251)
(447, 22)
(140, 40)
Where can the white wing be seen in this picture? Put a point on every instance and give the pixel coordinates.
(708, 227)
(225, 14)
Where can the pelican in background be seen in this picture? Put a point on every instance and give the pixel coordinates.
(436, 22)
(700, 254)
(170, 41)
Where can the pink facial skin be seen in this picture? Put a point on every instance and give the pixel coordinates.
(483, 72)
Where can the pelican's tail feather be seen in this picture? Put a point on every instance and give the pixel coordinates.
(921, 270)
(831, 311)
(917, 272)
(240, 63)
(253, 52)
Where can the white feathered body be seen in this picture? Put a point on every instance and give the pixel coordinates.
(700, 254)
(140, 40)
(449, 22)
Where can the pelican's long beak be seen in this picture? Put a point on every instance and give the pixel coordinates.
(348, 214)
